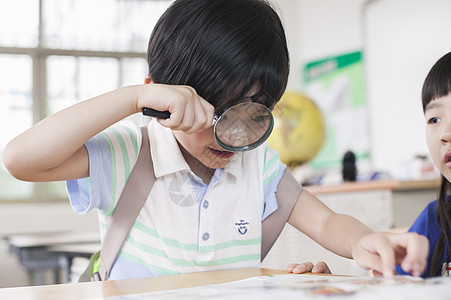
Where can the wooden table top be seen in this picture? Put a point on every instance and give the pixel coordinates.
(79, 291)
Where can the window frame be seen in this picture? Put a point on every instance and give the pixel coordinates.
(41, 191)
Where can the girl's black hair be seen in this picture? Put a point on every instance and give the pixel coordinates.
(436, 85)
(224, 49)
(438, 81)
(443, 220)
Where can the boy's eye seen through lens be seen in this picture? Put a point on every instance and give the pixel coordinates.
(260, 118)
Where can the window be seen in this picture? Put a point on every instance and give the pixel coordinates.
(15, 114)
(58, 52)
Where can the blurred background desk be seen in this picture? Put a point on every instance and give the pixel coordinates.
(68, 253)
(34, 219)
(54, 251)
(381, 205)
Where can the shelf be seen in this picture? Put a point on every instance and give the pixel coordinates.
(393, 185)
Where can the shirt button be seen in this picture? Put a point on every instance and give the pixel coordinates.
(205, 236)
(205, 204)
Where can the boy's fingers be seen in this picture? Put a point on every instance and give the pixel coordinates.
(291, 267)
(199, 118)
(321, 267)
(374, 273)
(209, 112)
(301, 268)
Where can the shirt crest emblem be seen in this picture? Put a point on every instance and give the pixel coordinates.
(241, 226)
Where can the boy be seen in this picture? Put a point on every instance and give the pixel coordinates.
(207, 205)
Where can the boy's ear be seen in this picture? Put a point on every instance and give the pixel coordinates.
(148, 79)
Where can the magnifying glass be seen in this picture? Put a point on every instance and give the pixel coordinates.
(241, 127)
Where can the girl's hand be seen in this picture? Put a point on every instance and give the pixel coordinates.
(381, 251)
(189, 111)
(320, 267)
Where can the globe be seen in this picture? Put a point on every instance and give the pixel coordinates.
(299, 129)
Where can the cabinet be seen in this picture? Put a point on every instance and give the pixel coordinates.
(381, 205)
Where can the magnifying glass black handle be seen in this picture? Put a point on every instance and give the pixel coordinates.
(156, 113)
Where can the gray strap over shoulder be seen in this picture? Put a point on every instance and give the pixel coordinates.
(129, 205)
(287, 194)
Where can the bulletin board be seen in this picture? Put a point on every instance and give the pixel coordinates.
(336, 84)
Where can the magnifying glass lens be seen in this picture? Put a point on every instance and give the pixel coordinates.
(244, 126)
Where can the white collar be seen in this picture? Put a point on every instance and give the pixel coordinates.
(167, 157)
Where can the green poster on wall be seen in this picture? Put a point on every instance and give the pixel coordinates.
(337, 86)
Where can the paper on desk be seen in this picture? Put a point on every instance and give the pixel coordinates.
(309, 287)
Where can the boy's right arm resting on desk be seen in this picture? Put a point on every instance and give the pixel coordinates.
(348, 237)
(53, 149)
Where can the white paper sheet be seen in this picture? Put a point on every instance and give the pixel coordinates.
(309, 287)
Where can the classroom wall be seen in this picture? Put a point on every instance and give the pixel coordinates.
(400, 39)
(318, 29)
(403, 39)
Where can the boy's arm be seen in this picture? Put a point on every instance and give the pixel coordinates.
(346, 236)
(53, 149)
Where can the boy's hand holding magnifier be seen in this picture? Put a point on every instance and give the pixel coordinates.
(242, 127)
(190, 112)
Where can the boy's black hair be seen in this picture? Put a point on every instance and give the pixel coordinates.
(436, 85)
(224, 49)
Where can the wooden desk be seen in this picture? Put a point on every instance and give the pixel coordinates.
(79, 291)
(317, 286)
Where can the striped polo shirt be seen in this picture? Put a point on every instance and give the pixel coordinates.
(185, 224)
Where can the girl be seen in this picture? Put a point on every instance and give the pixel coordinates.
(435, 221)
